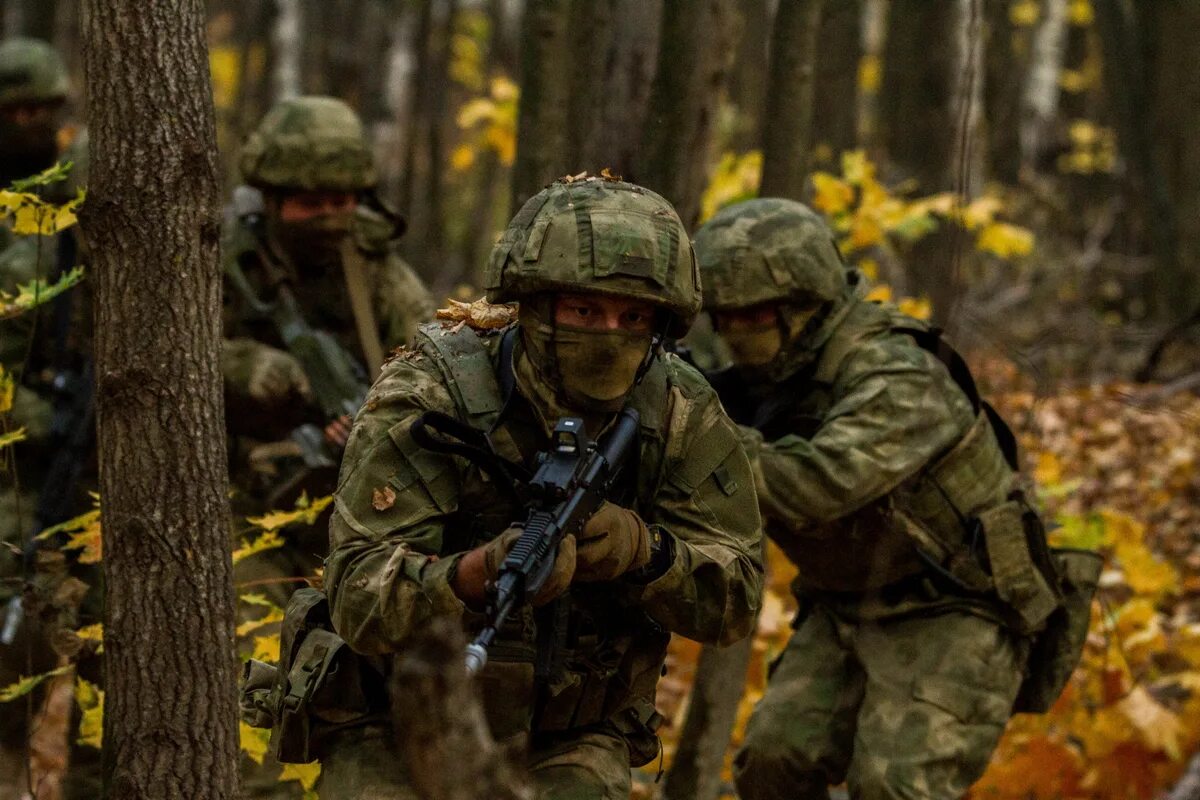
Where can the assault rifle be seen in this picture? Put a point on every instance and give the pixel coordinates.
(338, 381)
(570, 482)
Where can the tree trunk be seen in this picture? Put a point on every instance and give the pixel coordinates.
(748, 78)
(839, 51)
(632, 54)
(38, 19)
(542, 129)
(932, 88)
(1041, 92)
(869, 112)
(712, 711)
(1173, 99)
(152, 221)
(591, 28)
(678, 133)
(1007, 59)
(787, 123)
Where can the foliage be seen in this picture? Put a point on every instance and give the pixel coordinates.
(489, 123)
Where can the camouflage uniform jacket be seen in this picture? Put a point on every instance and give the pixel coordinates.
(401, 301)
(871, 438)
(403, 517)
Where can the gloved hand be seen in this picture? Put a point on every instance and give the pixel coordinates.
(614, 541)
(274, 375)
(495, 551)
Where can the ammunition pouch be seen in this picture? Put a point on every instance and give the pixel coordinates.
(320, 686)
(1057, 648)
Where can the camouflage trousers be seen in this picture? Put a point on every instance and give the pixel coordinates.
(577, 766)
(904, 708)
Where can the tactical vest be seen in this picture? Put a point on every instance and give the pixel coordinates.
(605, 669)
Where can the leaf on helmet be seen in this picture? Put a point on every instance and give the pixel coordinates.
(479, 315)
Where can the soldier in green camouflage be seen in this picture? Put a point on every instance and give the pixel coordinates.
(882, 477)
(315, 225)
(603, 271)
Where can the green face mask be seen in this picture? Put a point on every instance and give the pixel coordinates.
(313, 245)
(754, 347)
(595, 369)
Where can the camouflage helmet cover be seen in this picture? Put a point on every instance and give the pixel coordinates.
(309, 143)
(31, 71)
(598, 235)
(768, 250)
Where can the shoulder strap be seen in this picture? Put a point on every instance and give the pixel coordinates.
(930, 340)
(463, 360)
(361, 306)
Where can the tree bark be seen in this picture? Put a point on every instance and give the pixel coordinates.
(152, 222)
(683, 102)
(542, 132)
(787, 123)
(839, 50)
(748, 78)
(1006, 64)
(712, 711)
(1173, 99)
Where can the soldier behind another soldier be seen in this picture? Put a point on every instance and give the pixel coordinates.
(603, 271)
(923, 573)
(308, 223)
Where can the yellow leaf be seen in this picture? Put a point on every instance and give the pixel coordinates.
(1024, 13)
(1187, 644)
(266, 648)
(870, 73)
(918, 307)
(254, 741)
(306, 774)
(1158, 728)
(1145, 573)
(1073, 81)
(857, 168)
(1084, 133)
(12, 437)
(1080, 13)
(7, 389)
(274, 615)
(981, 212)
(880, 294)
(475, 111)
(268, 541)
(224, 65)
(504, 90)
(462, 158)
(736, 178)
(865, 231)
(1005, 241)
(303, 514)
(90, 699)
(93, 633)
(870, 268)
(24, 686)
(1049, 469)
(832, 195)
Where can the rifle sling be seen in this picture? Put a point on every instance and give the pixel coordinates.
(354, 268)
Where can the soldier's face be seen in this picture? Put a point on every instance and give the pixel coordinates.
(753, 334)
(754, 318)
(598, 312)
(307, 206)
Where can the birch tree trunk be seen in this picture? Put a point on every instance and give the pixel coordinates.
(152, 222)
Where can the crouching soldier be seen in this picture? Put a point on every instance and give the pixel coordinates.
(604, 272)
(924, 576)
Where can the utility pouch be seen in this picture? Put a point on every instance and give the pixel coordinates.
(259, 702)
(323, 685)
(638, 725)
(1057, 648)
(1013, 533)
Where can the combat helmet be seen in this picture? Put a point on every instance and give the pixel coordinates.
(309, 143)
(31, 71)
(768, 250)
(598, 235)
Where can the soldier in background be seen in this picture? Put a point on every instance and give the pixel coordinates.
(923, 573)
(309, 247)
(48, 351)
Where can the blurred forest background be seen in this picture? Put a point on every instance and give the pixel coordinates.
(1024, 172)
